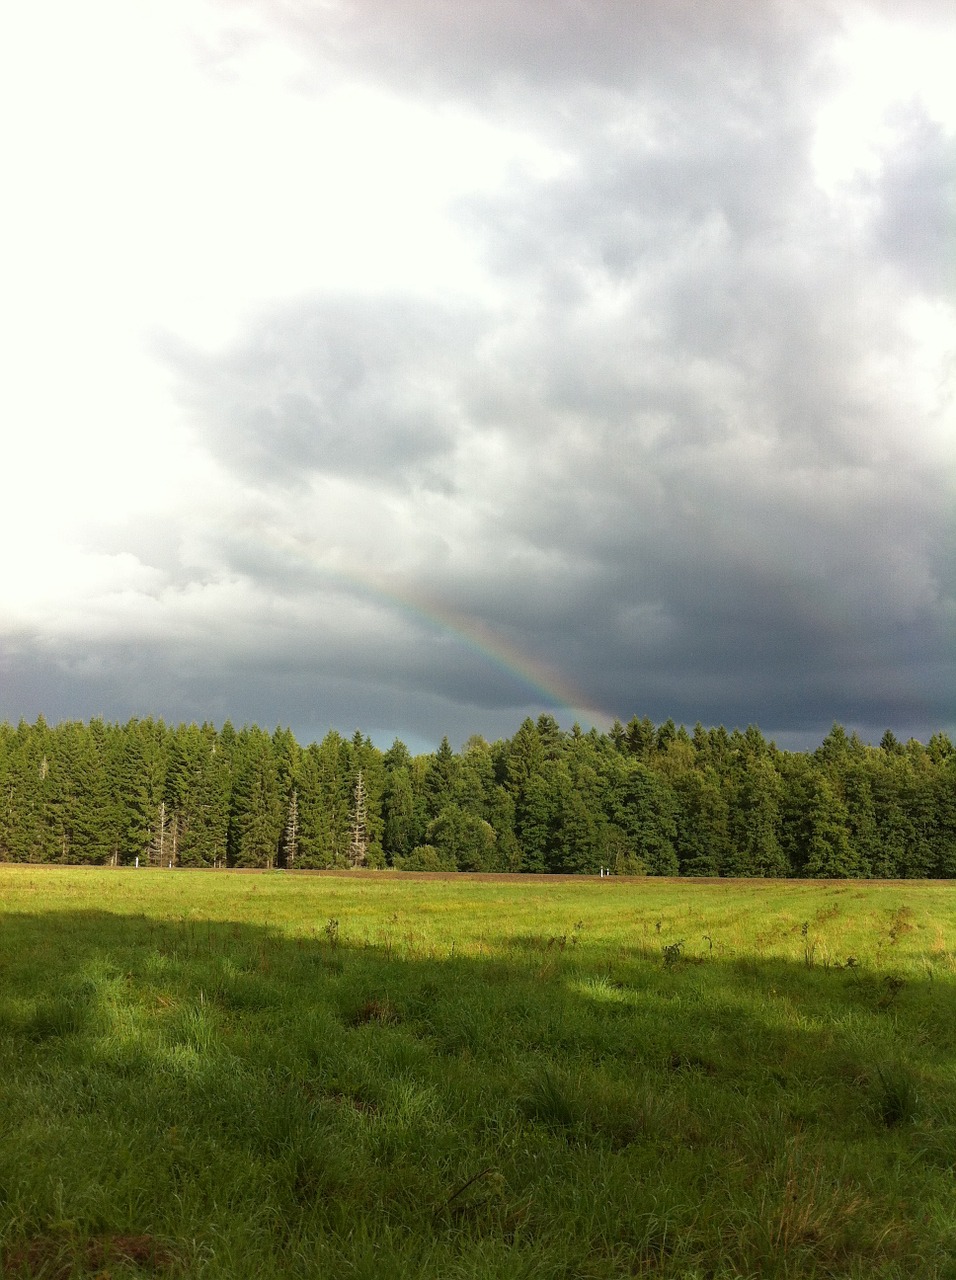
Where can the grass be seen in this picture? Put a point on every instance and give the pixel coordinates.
(217, 1075)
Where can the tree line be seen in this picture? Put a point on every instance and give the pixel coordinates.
(639, 799)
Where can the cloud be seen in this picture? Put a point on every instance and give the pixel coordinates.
(672, 438)
(503, 53)
(340, 386)
(917, 203)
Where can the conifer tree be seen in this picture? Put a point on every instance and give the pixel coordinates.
(702, 822)
(77, 801)
(257, 818)
(324, 803)
(315, 847)
(857, 795)
(944, 810)
(26, 773)
(440, 775)
(643, 807)
(198, 788)
(142, 768)
(756, 824)
(641, 737)
(894, 826)
(403, 829)
(824, 849)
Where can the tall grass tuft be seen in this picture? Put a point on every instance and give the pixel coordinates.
(896, 1094)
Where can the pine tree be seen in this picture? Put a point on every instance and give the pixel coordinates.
(861, 815)
(643, 807)
(618, 736)
(324, 803)
(78, 810)
(579, 843)
(944, 808)
(525, 757)
(256, 820)
(550, 736)
(535, 820)
(702, 820)
(6, 796)
(288, 758)
(364, 756)
(755, 828)
(161, 840)
(641, 737)
(403, 829)
(889, 784)
(827, 851)
(475, 777)
(440, 777)
(665, 735)
(26, 774)
(501, 817)
(142, 767)
(198, 790)
(316, 847)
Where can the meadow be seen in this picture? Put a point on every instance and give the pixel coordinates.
(367, 1075)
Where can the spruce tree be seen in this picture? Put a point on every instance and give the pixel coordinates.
(27, 770)
(755, 848)
(702, 820)
(142, 775)
(257, 816)
(643, 807)
(403, 830)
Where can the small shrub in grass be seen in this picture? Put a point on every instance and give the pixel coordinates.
(671, 952)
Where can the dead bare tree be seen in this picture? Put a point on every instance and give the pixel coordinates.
(358, 847)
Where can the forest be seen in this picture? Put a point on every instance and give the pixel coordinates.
(640, 799)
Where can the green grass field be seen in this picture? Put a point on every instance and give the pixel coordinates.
(226, 1075)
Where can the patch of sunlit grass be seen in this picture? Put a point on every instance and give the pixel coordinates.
(358, 1075)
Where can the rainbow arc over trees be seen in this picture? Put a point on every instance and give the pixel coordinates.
(552, 690)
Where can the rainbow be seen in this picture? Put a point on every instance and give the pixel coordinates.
(552, 691)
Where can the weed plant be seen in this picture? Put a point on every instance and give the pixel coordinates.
(223, 1075)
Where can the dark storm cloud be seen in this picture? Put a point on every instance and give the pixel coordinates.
(416, 683)
(677, 460)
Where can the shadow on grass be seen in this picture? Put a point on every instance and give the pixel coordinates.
(239, 1102)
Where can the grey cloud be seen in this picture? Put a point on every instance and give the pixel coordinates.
(339, 386)
(542, 50)
(417, 683)
(680, 483)
(917, 196)
(708, 510)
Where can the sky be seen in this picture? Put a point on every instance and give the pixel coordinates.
(418, 367)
